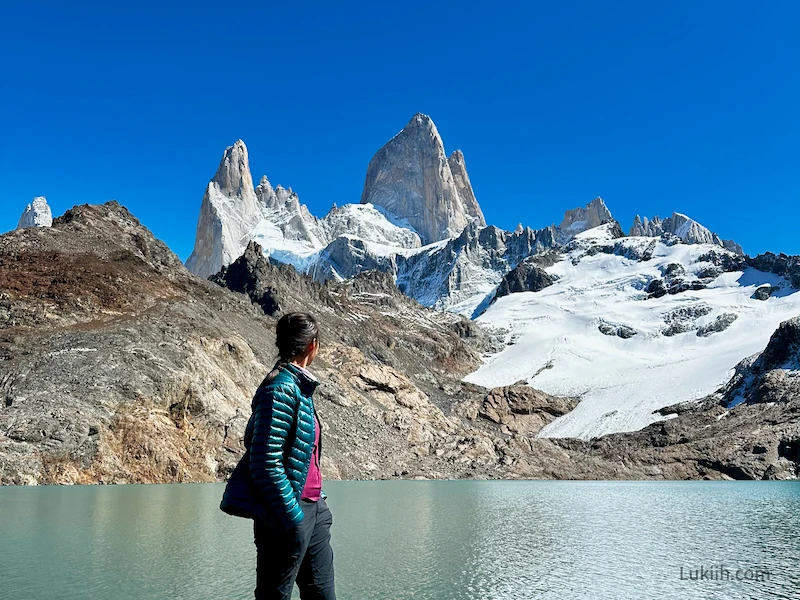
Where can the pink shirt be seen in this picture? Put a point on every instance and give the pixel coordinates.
(313, 486)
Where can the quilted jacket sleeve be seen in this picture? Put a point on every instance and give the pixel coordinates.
(273, 415)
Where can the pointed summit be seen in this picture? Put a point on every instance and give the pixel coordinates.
(36, 214)
(412, 178)
(228, 214)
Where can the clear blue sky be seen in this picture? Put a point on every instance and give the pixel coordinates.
(685, 106)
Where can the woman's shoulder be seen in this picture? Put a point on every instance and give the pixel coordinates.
(280, 383)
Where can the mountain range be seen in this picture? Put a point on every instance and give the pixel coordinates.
(671, 284)
(462, 349)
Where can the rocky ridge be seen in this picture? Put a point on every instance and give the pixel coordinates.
(687, 230)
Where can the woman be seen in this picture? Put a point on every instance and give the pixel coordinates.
(278, 482)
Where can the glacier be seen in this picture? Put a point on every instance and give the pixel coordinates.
(555, 343)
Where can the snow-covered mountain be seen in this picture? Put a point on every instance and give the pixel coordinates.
(36, 214)
(628, 324)
(688, 230)
(633, 324)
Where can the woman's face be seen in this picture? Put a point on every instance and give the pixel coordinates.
(313, 349)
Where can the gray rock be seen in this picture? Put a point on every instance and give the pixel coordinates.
(682, 320)
(779, 264)
(656, 289)
(765, 292)
(721, 323)
(578, 220)
(724, 261)
(522, 409)
(283, 209)
(459, 169)
(412, 178)
(615, 329)
(771, 376)
(527, 276)
(673, 270)
(687, 230)
(461, 268)
(345, 257)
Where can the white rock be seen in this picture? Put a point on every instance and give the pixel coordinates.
(229, 213)
(36, 214)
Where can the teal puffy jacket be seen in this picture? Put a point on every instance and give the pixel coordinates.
(279, 439)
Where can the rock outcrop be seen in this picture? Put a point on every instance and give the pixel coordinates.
(281, 208)
(578, 220)
(780, 264)
(462, 274)
(527, 276)
(687, 230)
(771, 376)
(521, 409)
(412, 178)
(228, 214)
(464, 187)
(36, 214)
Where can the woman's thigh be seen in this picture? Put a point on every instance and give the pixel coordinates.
(315, 577)
(279, 556)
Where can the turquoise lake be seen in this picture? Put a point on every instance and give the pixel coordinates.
(470, 540)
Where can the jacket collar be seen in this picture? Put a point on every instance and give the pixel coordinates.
(307, 382)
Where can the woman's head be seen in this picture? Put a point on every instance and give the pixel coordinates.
(297, 337)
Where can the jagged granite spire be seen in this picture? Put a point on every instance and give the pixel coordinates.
(228, 214)
(459, 170)
(685, 228)
(412, 178)
(36, 214)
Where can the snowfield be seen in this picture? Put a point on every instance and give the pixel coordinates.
(556, 344)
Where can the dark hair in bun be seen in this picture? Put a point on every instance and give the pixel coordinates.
(294, 332)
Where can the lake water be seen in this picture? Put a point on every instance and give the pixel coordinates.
(470, 540)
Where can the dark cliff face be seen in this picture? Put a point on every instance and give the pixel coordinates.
(770, 375)
(527, 276)
(779, 264)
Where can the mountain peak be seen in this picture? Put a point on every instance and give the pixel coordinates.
(421, 119)
(233, 173)
(412, 178)
(682, 226)
(577, 220)
(228, 214)
(36, 214)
